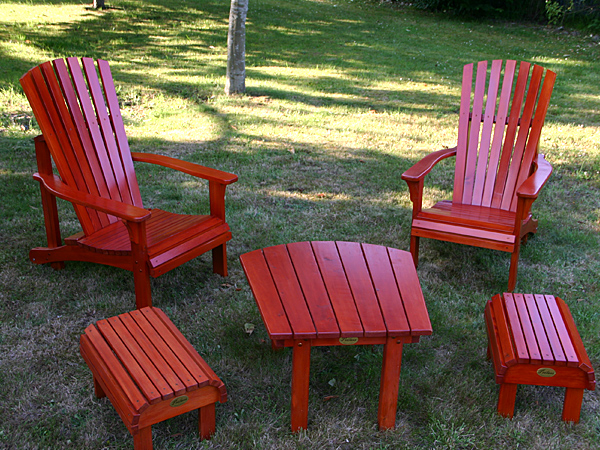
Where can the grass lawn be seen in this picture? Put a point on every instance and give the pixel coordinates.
(342, 97)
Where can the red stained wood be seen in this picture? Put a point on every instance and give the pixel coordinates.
(134, 358)
(340, 294)
(499, 131)
(265, 292)
(547, 321)
(313, 289)
(361, 285)
(388, 294)
(290, 293)
(83, 130)
(324, 293)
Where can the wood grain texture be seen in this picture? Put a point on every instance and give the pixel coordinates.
(150, 372)
(82, 128)
(497, 162)
(540, 329)
(338, 293)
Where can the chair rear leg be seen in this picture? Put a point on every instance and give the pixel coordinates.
(414, 249)
(514, 265)
(219, 255)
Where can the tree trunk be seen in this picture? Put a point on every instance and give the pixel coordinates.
(235, 82)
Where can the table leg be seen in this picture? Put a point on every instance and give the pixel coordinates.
(390, 379)
(300, 379)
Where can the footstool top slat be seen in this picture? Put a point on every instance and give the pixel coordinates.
(560, 358)
(156, 337)
(171, 385)
(117, 371)
(197, 376)
(538, 327)
(517, 331)
(535, 356)
(561, 328)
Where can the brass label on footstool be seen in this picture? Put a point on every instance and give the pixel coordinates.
(348, 340)
(178, 401)
(546, 372)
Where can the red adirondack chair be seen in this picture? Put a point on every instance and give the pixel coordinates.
(83, 133)
(498, 172)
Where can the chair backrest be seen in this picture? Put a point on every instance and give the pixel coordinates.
(82, 125)
(497, 145)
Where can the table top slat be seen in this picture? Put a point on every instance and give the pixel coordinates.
(338, 288)
(410, 291)
(388, 294)
(553, 339)
(534, 352)
(538, 328)
(290, 293)
(313, 287)
(266, 295)
(362, 289)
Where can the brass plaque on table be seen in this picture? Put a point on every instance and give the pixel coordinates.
(348, 340)
(178, 401)
(546, 372)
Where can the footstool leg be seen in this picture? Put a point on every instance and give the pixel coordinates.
(98, 391)
(572, 405)
(390, 380)
(506, 399)
(206, 421)
(300, 383)
(143, 439)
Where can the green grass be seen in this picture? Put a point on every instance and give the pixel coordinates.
(343, 96)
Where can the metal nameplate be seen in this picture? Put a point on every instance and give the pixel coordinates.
(348, 340)
(546, 372)
(178, 401)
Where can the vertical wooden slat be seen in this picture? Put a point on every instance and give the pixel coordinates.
(463, 133)
(84, 135)
(535, 132)
(519, 150)
(474, 130)
(106, 128)
(74, 124)
(119, 129)
(499, 130)
(486, 133)
(511, 132)
(94, 128)
(48, 117)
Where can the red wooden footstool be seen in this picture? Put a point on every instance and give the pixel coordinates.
(150, 372)
(533, 340)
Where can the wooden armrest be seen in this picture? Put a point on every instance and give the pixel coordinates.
(531, 186)
(423, 167)
(187, 167)
(122, 210)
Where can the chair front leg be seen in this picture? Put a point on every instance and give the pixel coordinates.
(141, 271)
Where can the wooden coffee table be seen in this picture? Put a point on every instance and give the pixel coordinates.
(338, 293)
